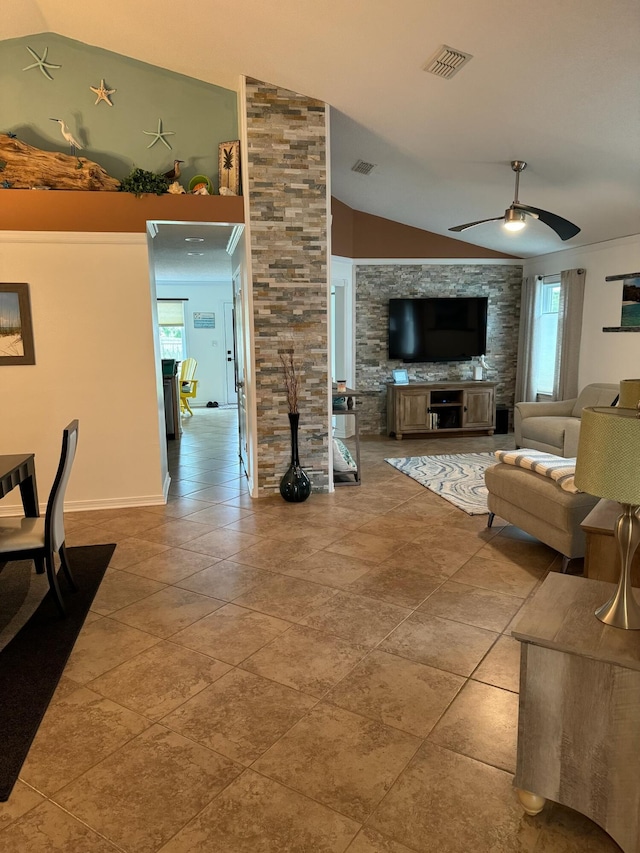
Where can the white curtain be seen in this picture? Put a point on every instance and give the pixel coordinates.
(527, 357)
(565, 385)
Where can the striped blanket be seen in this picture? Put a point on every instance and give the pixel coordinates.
(559, 469)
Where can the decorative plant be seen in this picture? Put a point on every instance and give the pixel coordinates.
(227, 162)
(290, 380)
(140, 181)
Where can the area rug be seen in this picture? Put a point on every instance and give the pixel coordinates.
(457, 477)
(32, 662)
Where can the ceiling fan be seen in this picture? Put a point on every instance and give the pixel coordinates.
(515, 216)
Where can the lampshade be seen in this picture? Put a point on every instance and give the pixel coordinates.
(629, 393)
(608, 460)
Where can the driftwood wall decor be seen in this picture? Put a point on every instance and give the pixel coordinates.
(23, 166)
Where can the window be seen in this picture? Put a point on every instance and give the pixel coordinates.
(546, 333)
(171, 327)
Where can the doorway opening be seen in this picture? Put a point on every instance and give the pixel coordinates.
(192, 264)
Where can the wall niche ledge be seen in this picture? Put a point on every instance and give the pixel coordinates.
(78, 210)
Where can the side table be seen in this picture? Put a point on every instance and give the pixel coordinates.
(349, 394)
(601, 557)
(579, 712)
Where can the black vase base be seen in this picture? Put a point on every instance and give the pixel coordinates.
(295, 486)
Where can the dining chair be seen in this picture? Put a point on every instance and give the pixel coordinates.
(38, 539)
(188, 385)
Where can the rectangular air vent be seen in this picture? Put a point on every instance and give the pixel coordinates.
(363, 168)
(446, 62)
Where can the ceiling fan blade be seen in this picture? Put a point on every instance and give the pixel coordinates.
(473, 224)
(563, 228)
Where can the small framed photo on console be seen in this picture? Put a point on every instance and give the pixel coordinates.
(400, 377)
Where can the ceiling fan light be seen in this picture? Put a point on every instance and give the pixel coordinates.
(514, 224)
(514, 220)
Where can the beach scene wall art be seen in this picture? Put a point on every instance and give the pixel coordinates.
(16, 330)
(631, 301)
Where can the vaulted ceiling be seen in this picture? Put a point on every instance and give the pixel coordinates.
(553, 83)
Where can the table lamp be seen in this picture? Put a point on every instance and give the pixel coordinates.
(608, 466)
(629, 394)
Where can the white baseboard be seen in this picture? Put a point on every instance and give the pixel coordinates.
(115, 503)
(86, 506)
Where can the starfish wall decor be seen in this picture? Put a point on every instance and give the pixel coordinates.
(159, 134)
(42, 64)
(103, 93)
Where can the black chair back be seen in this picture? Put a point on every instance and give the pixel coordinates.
(54, 520)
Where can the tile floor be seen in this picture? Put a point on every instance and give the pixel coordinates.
(263, 677)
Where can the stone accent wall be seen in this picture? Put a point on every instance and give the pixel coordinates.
(286, 184)
(376, 284)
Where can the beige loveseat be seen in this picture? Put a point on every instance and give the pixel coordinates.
(555, 427)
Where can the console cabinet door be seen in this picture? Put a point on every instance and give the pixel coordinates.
(479, 408)
(413, 407)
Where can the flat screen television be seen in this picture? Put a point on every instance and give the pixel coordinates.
(437, 328)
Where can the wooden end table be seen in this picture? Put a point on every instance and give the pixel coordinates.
(602, 558)
(579, 708)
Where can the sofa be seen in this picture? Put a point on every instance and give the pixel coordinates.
(555, 426)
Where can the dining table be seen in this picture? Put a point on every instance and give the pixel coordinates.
(20, 470)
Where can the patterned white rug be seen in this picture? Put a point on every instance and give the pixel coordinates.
(457, 477)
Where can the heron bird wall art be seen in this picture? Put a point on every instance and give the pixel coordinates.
(74, 145)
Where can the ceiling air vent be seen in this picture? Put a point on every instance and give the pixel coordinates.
(363, 168)
(446, 62)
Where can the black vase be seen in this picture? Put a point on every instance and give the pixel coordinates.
(295, 486)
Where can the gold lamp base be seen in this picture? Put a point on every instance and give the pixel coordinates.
(623, 611)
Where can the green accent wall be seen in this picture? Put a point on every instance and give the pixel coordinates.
(200, 114)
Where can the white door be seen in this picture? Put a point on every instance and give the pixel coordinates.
(230, 353)
(343, 426)
(238, 326)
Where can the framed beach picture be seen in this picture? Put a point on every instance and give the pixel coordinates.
(16, 330)
(630, 299)
(229, 168)
(401, 377)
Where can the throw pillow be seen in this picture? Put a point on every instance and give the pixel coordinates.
(343, 461)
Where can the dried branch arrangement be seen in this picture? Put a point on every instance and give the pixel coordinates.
(290, 380)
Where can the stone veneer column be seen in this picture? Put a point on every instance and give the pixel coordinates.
(285, 181)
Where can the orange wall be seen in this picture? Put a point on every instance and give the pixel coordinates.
(355, 234)
(341, 229)
(75, 210)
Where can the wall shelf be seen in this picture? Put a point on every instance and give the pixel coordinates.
(621, 328)
(75, 210)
